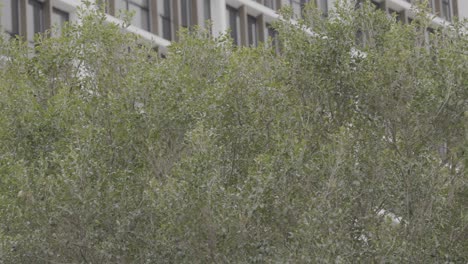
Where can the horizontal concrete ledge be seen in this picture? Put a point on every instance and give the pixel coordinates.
(157, 40)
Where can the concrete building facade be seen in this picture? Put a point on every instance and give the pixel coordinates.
(159, 20)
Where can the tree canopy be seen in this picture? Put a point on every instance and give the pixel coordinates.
(346, 146)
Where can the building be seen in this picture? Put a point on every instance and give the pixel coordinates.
(159, 20)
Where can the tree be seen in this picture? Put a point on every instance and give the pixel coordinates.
(217, 153)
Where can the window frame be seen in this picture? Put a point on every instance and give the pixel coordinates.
(165, 16)
(303, 4)
(446, 4)
(61, 13)
(146, 9)
(186, 9)
(296, 6)
(14, 19)
(378, 5)
(252, 31)
(234, 16)
(324, 7)
(37, 19)
(207, 10)
(273, 35)
(431, 4)
(272, 4)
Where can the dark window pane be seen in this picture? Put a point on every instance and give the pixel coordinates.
(252, 30)
(166, 19)
(6, 15)
(270, 3)
(324, 7)
(446, 10)
(35, 21)
(186, 10)
(141, 3)
(121, 5)
(140, 11)
(298, 6)
(103, 4)
(233, 21)
(273, 35)
(9, 18)
(377, 4)
(141, 16)
(207, 10)
(59, 18)
(399, 15)
(303, 3)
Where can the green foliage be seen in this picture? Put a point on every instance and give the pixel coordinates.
(223, 154)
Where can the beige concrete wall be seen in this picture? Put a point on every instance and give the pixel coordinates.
(462, 8)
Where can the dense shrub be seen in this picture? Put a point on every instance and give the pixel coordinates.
(109, 154)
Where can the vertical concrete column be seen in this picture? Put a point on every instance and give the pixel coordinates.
(455, 8)
(243, 26)
(462, 8)
(279, 4)
(437, 7)
(218, 15)
(23, 27)
(331, 5)
(175, 19)
(403, 17)
(111, 8)
(153, 12)
(261, 28)
(194, 13)
(283, 2)
(47, 14)
(384, 6)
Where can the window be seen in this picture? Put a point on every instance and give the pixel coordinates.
(207, 10)
(298, 6)
(59, 18)
(103, 4)
(186, 13)
(430, 30)
(377, 5)
(252, 31)
(446, 10)
(233, 21)
(6, 16)
(398, 15)
(206, 14)
(35, 18)
(432, 5)
(140, 8)
(270, 3)
(273, 35)
(9, 18)
(324, 7)
(166, 18)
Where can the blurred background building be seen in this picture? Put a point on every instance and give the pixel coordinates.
(159, 20)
